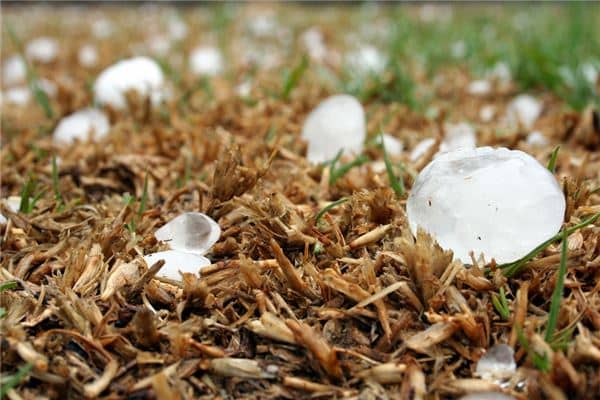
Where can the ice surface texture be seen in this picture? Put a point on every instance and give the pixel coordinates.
(498, 202)
(190, 232)
(337, 123)
(81, 125)
(497, 363)
(176, 261)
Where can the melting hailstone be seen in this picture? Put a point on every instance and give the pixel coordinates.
(524, 109)
(498, 363)
(393, 146)
(13, 203)
(81, 125)
(206, 60)
(140, 74)
(176, 262)
(461, 135)
(87, 56)
(498, 202)
(190, 232)
(337, 123)
(537, 139)
(366, 59)
(479, 87)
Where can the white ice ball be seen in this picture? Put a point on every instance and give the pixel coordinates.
(81, 125)
(206, 60)
(191, 232)
(524, 109)
(14, 70)
(499, 202)
(140, 74)
(176, 262)
(42, 49)
(87, 56)
(337, 123)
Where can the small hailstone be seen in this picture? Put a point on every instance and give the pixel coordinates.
(313, 41)
(458, 49)
(159, 45)
(498, 363)
(177, 29)
(366, 59)
(176, 261)
(487, 396)
(244, 88)
(262, 25)
(102, 28)
(140, 74)
(524, 109)
(421, 148)
(461, 135)
(14, 70)
(190, 232)
(479, 87)
(498, 202)
(590, 73)
(393, 146)
(42, 49)
(81, 125)
(13, 203)
(18, 95)
(537, 139)
(486, 113)
(206, 60)
(87, 56)
(500, 71)
(337, 123)
(47, 87)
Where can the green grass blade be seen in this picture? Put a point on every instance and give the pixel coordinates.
(14, 380)
(144, 198)
(396, 182)
(345, 168)
(558, 291)
(55, 184)
(552, 162)
(293, 78)
(8, 285)
(329, 207)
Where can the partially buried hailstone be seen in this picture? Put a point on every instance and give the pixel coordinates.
(189, 235)
(190, 232)
(81, 125)
(524, 109)
(338, 123)
(176, 261)
(140, 74)
(487, 396)
(206, 60)
(498, 202)
(42, 49)
(497, 363)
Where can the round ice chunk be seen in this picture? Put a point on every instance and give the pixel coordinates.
(461, 135)
(537, 139)
(366, 59)
(18, 95)
(421, 148)
(87, 56)
(206, 60)
(524, 109)
(498, 202)
(14, 70)
(393, 146)
(190, 232)
(479, 87)
(81, 125)
(176, 261)
(314, 43)
(139, 74)
(42, 49)
(337, 123)
(497, 363)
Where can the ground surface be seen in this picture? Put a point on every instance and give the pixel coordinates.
(350, 305)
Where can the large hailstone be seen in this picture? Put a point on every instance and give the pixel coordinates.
(140, 74)
(206, 60)
(81, 125)
(42, 49)
(338, 123)
(498, 202)
(190, 236)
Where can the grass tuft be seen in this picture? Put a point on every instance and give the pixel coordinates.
(293, 77)
(501, 304)
(328, 208)
(558, 291)
(396, 181)
(11, 381)
(553, 157)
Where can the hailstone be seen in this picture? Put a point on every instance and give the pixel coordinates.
(42, 49)
(337, 123)
(14, 70)
(81, 125)
(87, 56)
(497, 363)
(205, 60)
(190, 232)
(524, 109)
(176, 261)
(140, 74)
(499, 202)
